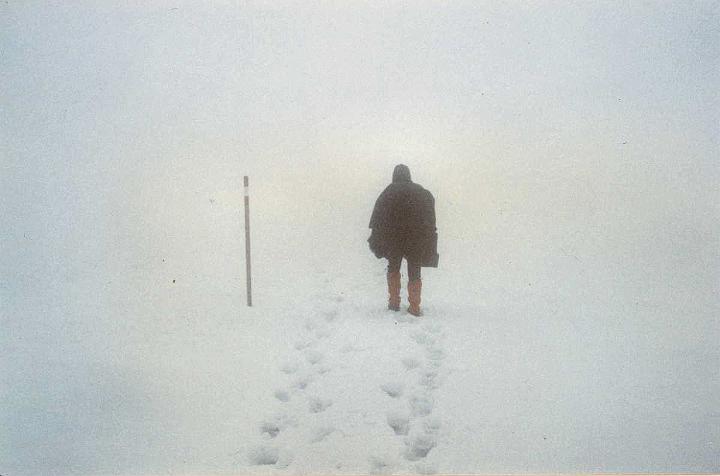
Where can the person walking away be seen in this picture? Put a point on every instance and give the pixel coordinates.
(403, 226)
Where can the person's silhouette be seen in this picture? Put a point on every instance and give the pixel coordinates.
(403, 226)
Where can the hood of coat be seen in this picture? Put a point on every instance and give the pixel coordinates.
(401, 174)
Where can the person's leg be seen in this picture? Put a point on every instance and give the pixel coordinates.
(414, 288)
(393, 280)
(414, 271)
(394, 264)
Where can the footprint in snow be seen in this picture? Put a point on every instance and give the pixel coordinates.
(424, 468)
(435, 354)
(418, 446)
(431, 425)
(282, 395)
(289, 367)
(380, 465)
(272, 427)
(331, 315)
(313, 356)
(302, 382)
(405, 319)
(392, 389)
(424, 339)
(399, 422)
(322, 333)
(430, 379)
(319, 434)
(304, 344)
(410, 363)
(264, 455)
(421, 405)
(317, 404)
(351, 348)
(435, 329)
(269, 455)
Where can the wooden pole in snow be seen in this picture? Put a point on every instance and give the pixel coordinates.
(247, 241)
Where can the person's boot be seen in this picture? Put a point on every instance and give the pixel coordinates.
(393, 280)
(414, 291)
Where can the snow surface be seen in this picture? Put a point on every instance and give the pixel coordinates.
(318, 377)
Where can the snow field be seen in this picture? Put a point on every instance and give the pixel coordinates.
(358, 393)
(171, 372)
(318, 377)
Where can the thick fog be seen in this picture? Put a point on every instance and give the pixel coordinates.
(571, 149)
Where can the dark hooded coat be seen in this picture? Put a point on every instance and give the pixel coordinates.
(403, 221)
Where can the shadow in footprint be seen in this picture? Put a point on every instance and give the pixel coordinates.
(322, 333)
(432, 425)
(424, 468)
(421, 405)
(351, 348)
(273, 426)
(426, 340)
(302, 382)
(331, 315)
(418, 446)
(435, 355)
(304, 344)
(319, 434)
(434, 329)
(399, 422)
(379, 465)
(282, 395)
(269, 455)
(392, 389)
(410, 363)
(313, 356)
(270, 428)
(430, 379)
(317, 404)
(289, 367)
(263, 455)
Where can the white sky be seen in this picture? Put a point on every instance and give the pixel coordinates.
(527, 121)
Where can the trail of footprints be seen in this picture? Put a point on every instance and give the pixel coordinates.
(301, 375)
(413, 419)
(411, 405)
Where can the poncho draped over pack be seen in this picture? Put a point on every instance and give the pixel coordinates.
(403, 222)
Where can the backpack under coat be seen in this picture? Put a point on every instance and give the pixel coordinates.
(403, 223)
